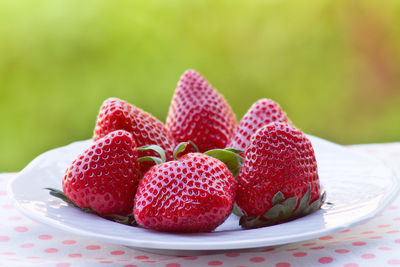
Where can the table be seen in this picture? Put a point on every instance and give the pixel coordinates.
(24, 242)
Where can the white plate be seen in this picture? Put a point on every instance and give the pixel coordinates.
(359, 187)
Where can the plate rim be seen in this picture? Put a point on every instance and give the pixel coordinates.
(221, 245)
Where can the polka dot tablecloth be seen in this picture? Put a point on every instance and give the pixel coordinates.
(24, 242)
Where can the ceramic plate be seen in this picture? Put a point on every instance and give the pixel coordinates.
(359, 187)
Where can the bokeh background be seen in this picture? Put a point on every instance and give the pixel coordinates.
(334, 66)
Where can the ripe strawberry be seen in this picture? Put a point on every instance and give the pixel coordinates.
(200, 114)
(193, 194)
(117, 114)
(104, 178)
(262, 112)
(279, 170)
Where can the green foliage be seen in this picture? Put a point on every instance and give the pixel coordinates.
(332, 65)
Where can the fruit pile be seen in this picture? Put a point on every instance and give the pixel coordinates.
(190, 174)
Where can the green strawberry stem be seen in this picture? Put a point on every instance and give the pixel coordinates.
(229, 156)
(128, 220)
(155, 148)
(182, 146)
(283, 210)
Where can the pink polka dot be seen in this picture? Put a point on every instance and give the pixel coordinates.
(317, 248)
(51, 250)
(392, 207)
(359, 243)
(342, 251)
(69, 242)
(75, 255)
(282, 264)
(394, 262)
(215, 263)
(396, 219)
(345, 231)
(375, 237)
(393, 232)
(141, 257)
(384, 225)
(33, 257)
(384, 248)
(173, 265)
(106, 261)
(130, 265)
(367, 232)
(232, 255)
(257, 259)
(325, 260)
(45, 237)
(350, 265)
(93, 247)
(190, 258)
(299, 254)
(27, 245)
(117, 252)
(21, 229)
(4, 238)
(368, 256)
(14, 218)
(308, 244)
(325, 237)
(397, 241)
(3, 193)
(8, 206)
(63, 264)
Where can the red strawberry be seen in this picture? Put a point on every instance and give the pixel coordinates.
(117, 114)
(193, 194)
(104, 178)
(200, 114)
(278, 180)
(261, 113)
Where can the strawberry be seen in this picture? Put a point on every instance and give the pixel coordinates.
(262, 112)
(192, 194)
(200, 114)
(278, 180)
(117, 114)
(104, 178)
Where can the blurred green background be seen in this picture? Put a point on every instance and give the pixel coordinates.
(334, 66)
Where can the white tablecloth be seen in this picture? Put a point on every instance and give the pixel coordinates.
(24, 242)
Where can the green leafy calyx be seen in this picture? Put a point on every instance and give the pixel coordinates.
(155, 148)
(284, 210)
(128, 220)
(182, 146)
(229, 156)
